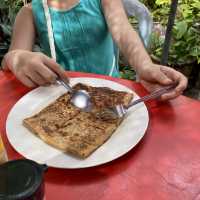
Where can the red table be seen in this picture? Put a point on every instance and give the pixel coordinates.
(165, 165)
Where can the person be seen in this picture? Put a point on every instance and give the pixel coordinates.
(84, 35)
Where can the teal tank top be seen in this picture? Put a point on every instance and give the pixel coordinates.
(82, 39)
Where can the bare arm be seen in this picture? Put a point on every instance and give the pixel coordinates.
(31, 68)
(24, 30)
(130, 44)
(124, 35)
(23, 36)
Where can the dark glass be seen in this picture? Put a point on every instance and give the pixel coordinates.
(22, 180)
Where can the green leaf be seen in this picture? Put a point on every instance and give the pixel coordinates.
(195, 51)
(196, 4)
(181, 28)
(190, 39)
(160, 2)
(128, 74)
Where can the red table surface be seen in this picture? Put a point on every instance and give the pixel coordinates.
(165, 165)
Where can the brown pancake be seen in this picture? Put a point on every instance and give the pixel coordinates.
(71, 130)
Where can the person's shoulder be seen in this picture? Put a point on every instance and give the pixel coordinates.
(25, 11)
(27, 8)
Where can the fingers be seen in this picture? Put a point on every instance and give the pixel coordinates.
(177, 77)
(36, 69)
(45, 71)
(154, 75)
(182, 83)
(38, 79)
(47, 75)
(170, 95)
(38, 74)
(161, 78)
(151, 87)
(162, 75)
(171, 73)
(27, 81)
(176, 92)
(55, 68)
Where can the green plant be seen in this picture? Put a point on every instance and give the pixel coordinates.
(185, 45)
(184, 48)
(5, 35)
(10, 8)
(8, 11)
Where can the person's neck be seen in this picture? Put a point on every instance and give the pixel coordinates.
(62, 4)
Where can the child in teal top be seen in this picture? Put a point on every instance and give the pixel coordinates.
(79, 46)
(81, 35)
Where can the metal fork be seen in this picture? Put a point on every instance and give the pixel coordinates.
(120, 110)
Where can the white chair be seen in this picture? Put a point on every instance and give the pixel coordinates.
(144, 19)
(143, 16)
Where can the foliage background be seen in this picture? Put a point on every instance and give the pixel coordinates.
(185, 46)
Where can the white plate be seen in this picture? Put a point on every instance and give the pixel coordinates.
(129, 133)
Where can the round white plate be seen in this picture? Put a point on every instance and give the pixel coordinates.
(128, 134)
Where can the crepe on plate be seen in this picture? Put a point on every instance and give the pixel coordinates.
(73, 131)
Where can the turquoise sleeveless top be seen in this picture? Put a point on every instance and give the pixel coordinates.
(82, 39)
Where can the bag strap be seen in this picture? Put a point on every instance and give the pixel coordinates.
(49, 29)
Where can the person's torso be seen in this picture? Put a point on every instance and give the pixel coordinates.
(82, 40)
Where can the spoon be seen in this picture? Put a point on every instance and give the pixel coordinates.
(80, 98)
